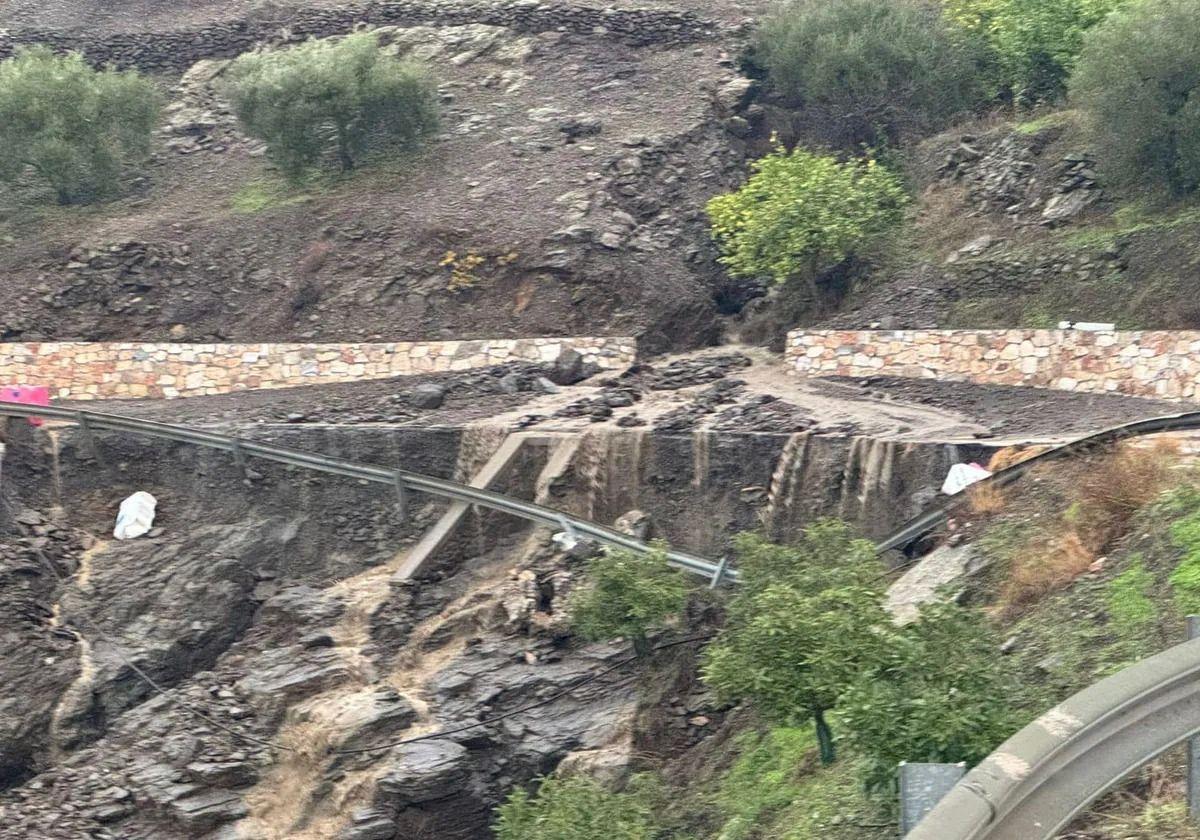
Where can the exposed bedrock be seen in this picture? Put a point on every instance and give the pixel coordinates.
(269, 601)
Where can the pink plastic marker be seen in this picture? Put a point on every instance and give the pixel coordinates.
(27, 395)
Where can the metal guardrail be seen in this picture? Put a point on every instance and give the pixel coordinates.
(924, 523)
(401, 481)
(1050, 771)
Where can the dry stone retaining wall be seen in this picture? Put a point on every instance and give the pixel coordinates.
(179, 49)
(122, 370)
(1163, 364)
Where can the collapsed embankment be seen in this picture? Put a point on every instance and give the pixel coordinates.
(269, 599)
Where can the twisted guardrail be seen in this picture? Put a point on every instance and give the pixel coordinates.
(401, 481)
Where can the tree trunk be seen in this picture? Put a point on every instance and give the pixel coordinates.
(641, 645)
(344, 157)
(824, 738)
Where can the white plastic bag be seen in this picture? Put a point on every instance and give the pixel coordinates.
(962, 476)
(136, 516)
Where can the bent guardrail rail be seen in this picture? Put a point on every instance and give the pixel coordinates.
(400, 480)
(925, 522)
(1050, 771)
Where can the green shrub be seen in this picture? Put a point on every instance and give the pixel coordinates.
(575, 808)
(330, 96)
(1128, 598)
(943, 695)
(802, 213)
(628, 593)
(868, 71)
(1034, 43)
(74, 127)
(1185, 579)
(801, 627)
(1138, 87)
(764, 779)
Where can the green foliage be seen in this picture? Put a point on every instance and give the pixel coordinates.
(1185, 579)
(628, 594)
(764, 780)
(1128, 600)
(1138, 86)
(866, 70)
(575, 808)
(804, 623)
(1034, 43)
(73, 126)
(330, 95)
(801, 213)
(942, 695)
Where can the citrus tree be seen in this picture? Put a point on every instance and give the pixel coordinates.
(72, 126)
(330, 96)
(939, 694)
(1033, 43)
(806, 620)
(627, 594)
(575, 808)
(801, 213)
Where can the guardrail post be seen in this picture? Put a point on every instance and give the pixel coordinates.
(239, 457)
(922, 786)
(82, 420)
(1193, 744)
(401, 496)
(719, 573)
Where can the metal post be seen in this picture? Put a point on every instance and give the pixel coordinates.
(1193, 744)
(86, 427)
(719, 573)
(239, 456)
(401, 497)
(922, 786)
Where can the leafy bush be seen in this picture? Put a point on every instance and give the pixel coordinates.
(1128, 599)
(628, 593)
(575, 808)
(1185, 579)
(806, 620)
(1034, 43)
(802, 213)
(1138, 86)
(73, 126)
(868, 70)
(330, 96)
(943, 695)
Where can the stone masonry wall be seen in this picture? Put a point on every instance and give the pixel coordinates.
(1148, 364)
(122, 370)
(179, 49)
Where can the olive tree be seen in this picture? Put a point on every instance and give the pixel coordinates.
(71, 125)
(801, 213)
(1137, 83)
(806, 620)
(869, 71)
(331, 96)
(627, 594)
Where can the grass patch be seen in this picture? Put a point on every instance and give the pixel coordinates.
(264, 194)
(1054, 119)
(776, 789)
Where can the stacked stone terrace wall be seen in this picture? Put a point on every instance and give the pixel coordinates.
(1149, 364)
(179, 49)
(128, 370)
